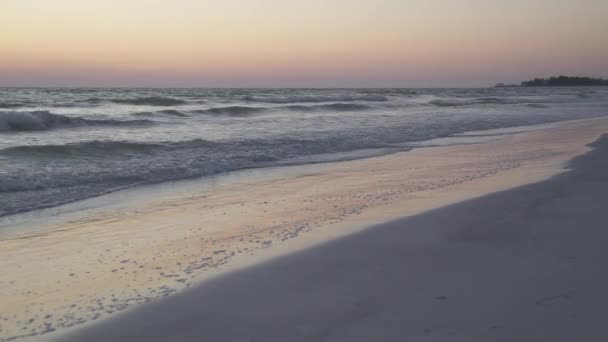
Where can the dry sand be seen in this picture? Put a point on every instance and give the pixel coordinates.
(83, 270)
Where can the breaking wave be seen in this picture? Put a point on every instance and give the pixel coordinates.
(338, 107)
(106, 147)
(11, 105)
(231, 111)
(242, 111)
(44, 120)
(314, 98)
(166, 112)
(149, 101)
(470, 102)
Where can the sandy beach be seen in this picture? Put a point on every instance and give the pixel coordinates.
(249, 258)
(520, 265)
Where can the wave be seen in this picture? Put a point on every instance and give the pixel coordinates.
(242, 111)
(166, 112)
(83, 148)
(105, 147)
(338, 107)
(537, 105)
(469, 102)
(109, 164)
(61, 170)
(8, 105)
(245, 111)
(231, 111)
(531, 102)
(92, 100)
(148, 101)
(314, 98)
(90, 168)
(44, 120)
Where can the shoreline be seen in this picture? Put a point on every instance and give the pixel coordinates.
(19, 225)
(520, 264)
(181, 242)
(204, 183)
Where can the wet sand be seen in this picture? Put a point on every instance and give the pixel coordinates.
(89, 269)
(526, 264)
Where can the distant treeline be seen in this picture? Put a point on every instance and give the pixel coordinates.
(565, 81)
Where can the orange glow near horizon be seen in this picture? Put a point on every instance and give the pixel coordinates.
(296, 43)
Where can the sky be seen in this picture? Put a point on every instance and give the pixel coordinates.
(307, 43)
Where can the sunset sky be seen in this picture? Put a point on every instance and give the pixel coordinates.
(311, 43)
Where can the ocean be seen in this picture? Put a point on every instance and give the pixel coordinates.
(60, 145)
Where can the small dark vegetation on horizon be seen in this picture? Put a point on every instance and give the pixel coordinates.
(565, 81)
(559, 81)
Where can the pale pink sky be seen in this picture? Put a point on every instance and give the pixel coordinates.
(312, 43)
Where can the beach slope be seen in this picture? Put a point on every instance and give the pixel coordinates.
(521, 265)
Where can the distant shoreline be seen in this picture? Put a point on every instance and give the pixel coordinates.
(560, 81)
